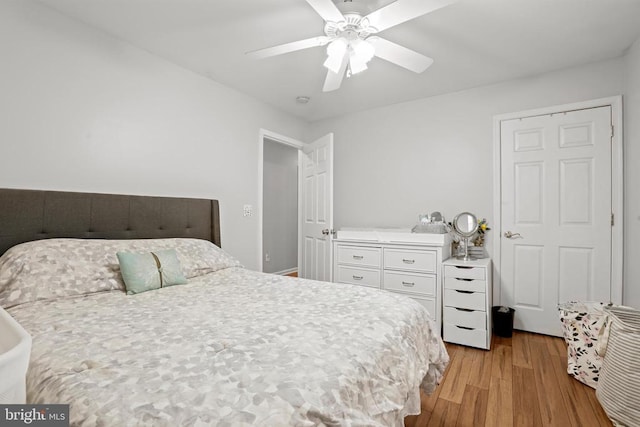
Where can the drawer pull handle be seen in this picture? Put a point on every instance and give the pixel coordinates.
(464, 280)
(409, 284)
(357, 277)
(408, 261)
(464, 309)
(358, 257)
(464, 267)
(464, 327)
(464, 292)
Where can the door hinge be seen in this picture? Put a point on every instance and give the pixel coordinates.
(612, 220)
(612, 131)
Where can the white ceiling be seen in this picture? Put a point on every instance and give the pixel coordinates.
(473, 42)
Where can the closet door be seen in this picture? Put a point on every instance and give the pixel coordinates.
(556, 214)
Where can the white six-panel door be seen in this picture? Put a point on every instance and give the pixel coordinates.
(316, 210)
(556, 214)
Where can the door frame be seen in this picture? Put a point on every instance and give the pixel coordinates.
(291, 142)
(617, 187)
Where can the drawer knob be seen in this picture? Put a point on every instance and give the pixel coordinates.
(358, 257)
(464, 292)
(464, 309)
(463, 267)
(408, 261)
(408, 284)
(357, 277)
(464, 280)
(464, 327)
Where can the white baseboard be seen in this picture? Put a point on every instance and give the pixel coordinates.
(285, 272)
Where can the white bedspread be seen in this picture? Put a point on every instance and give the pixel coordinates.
(234, 348)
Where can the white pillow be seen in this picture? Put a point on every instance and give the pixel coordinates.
(59, 268)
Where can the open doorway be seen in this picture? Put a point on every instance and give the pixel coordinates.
(279, 203)
(313, 215)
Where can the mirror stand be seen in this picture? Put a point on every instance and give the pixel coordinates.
(466, 256)
(465, 225)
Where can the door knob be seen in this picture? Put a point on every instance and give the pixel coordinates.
(510, 235)
(326, 232)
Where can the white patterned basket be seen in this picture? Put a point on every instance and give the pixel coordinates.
(619, 387)
(582, 323)
(15, 349)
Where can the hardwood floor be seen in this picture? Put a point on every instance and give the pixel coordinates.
(522, 381)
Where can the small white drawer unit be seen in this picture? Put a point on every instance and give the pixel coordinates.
(467, 296)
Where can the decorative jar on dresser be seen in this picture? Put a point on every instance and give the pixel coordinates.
(467, 299)
(395, 260)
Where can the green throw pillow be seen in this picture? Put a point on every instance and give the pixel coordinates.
(149, 271)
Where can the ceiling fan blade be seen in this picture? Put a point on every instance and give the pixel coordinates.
(400, 55)
(327, 10)
(334, 80)
(403, 10)
(289, 47)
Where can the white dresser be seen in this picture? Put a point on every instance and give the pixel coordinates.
(413, 268)
(467, 302)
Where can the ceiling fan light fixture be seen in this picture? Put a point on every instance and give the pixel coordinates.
(335, 54)
(333, 63)
(362, 50)
(356, 65)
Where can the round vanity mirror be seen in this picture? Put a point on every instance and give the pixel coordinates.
(466, 225)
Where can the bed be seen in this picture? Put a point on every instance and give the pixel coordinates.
(230, 347)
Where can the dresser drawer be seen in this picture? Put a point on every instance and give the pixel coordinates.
(463, 272)
(465, 284)
(359, 255)
(410, 260)
(406, 282)
(465, 317)
(465, 336)
(465, 299)
(429, 304)
(358, 276)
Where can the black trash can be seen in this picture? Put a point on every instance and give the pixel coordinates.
(503, 321)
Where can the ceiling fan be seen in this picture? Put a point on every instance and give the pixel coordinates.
(351, 40)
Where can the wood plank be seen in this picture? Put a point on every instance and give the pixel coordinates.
(500, 403)
(496, 340)
(552, 409)
(480, 375)
(561, 346)
(601, 415)
(417, 420)
(576, 401)
(502, 362)
(458, 376)
(444, 414)
(473, 407)
(428, 402)
(520, 350)
(525, 398)
(552, 348)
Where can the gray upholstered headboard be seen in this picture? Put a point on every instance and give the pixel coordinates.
(27, 215)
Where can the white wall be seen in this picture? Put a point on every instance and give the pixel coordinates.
(632, 176)
(82, 111)
(395, 162)
(280, 207)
